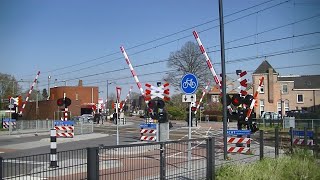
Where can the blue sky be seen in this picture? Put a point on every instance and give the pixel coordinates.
(76, 39)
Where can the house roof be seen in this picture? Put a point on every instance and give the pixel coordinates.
(231, 87)
(263, 68)
(303, 82)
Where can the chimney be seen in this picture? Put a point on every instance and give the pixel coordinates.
(270, 85)
(80, 83)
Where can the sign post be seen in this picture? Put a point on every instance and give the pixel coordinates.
(189, 85)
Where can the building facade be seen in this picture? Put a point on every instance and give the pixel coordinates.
(83, 98)
(281, 94)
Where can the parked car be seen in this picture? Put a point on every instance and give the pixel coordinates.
(270, 116)
(87, 118)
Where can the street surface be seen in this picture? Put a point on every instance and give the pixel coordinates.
(71, 149)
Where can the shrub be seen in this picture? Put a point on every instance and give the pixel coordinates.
(300, 165)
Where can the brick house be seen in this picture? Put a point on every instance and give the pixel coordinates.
(82, 100)
(279, 93)
(285, 93)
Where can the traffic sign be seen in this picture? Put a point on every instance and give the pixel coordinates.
(8, 120)
(238, 132)
(63, 123)
(301, 133)
(189, 98)
(189, 83)
(162, 91)
(148, 125)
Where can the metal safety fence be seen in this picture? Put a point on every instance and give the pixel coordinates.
(291, 122)
(71, 165)
(182, 159)
(44, 126)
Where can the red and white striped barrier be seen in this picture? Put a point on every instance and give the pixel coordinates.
(5, 125)
(203, 93)
(27, 98)
(133, 72)
(150, 131)
(238, 150)
(64, 128)
(254, 98)
(301, 142)
(236, 140)
(148, 134)
(148, 138)
(209, 64)
(64, 131)
(65, 134)
(121, 109)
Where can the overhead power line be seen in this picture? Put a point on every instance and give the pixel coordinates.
(160, 61)
(278, 53)
(178, 32)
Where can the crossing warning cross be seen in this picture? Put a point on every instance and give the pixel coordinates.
(243, 82)
(161, 91)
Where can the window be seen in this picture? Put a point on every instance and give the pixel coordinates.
(279, 106)
(262, 89)
(284, 88)
(77, 97)
(261, 106)
(215, 98)
(300, 98)
(286, 106)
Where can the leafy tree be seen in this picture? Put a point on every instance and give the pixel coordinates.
(8, 87)
(45, 94)
(187, 60)
(176, 108)
(134, 97)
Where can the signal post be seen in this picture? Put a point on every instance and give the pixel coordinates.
(156, 97)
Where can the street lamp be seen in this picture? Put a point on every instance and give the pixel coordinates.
(49, 77)
(65, 82)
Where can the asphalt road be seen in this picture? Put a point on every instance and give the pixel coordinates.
(128, 134)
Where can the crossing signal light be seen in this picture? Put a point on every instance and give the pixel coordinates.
(193, 109)
(64, 101)
(60, 102)
(67, 101)
(160, 104)
(236, 100)
(248, 99)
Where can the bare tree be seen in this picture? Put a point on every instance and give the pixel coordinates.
(187, 60)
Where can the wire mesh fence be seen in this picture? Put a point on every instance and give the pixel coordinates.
(165, 160)
(44, 126)
(71, 165)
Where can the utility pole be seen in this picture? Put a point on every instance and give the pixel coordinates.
(223, 68)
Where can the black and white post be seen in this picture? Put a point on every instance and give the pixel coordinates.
(53, 149)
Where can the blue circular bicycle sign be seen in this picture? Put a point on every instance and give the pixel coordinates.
(189, 83)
